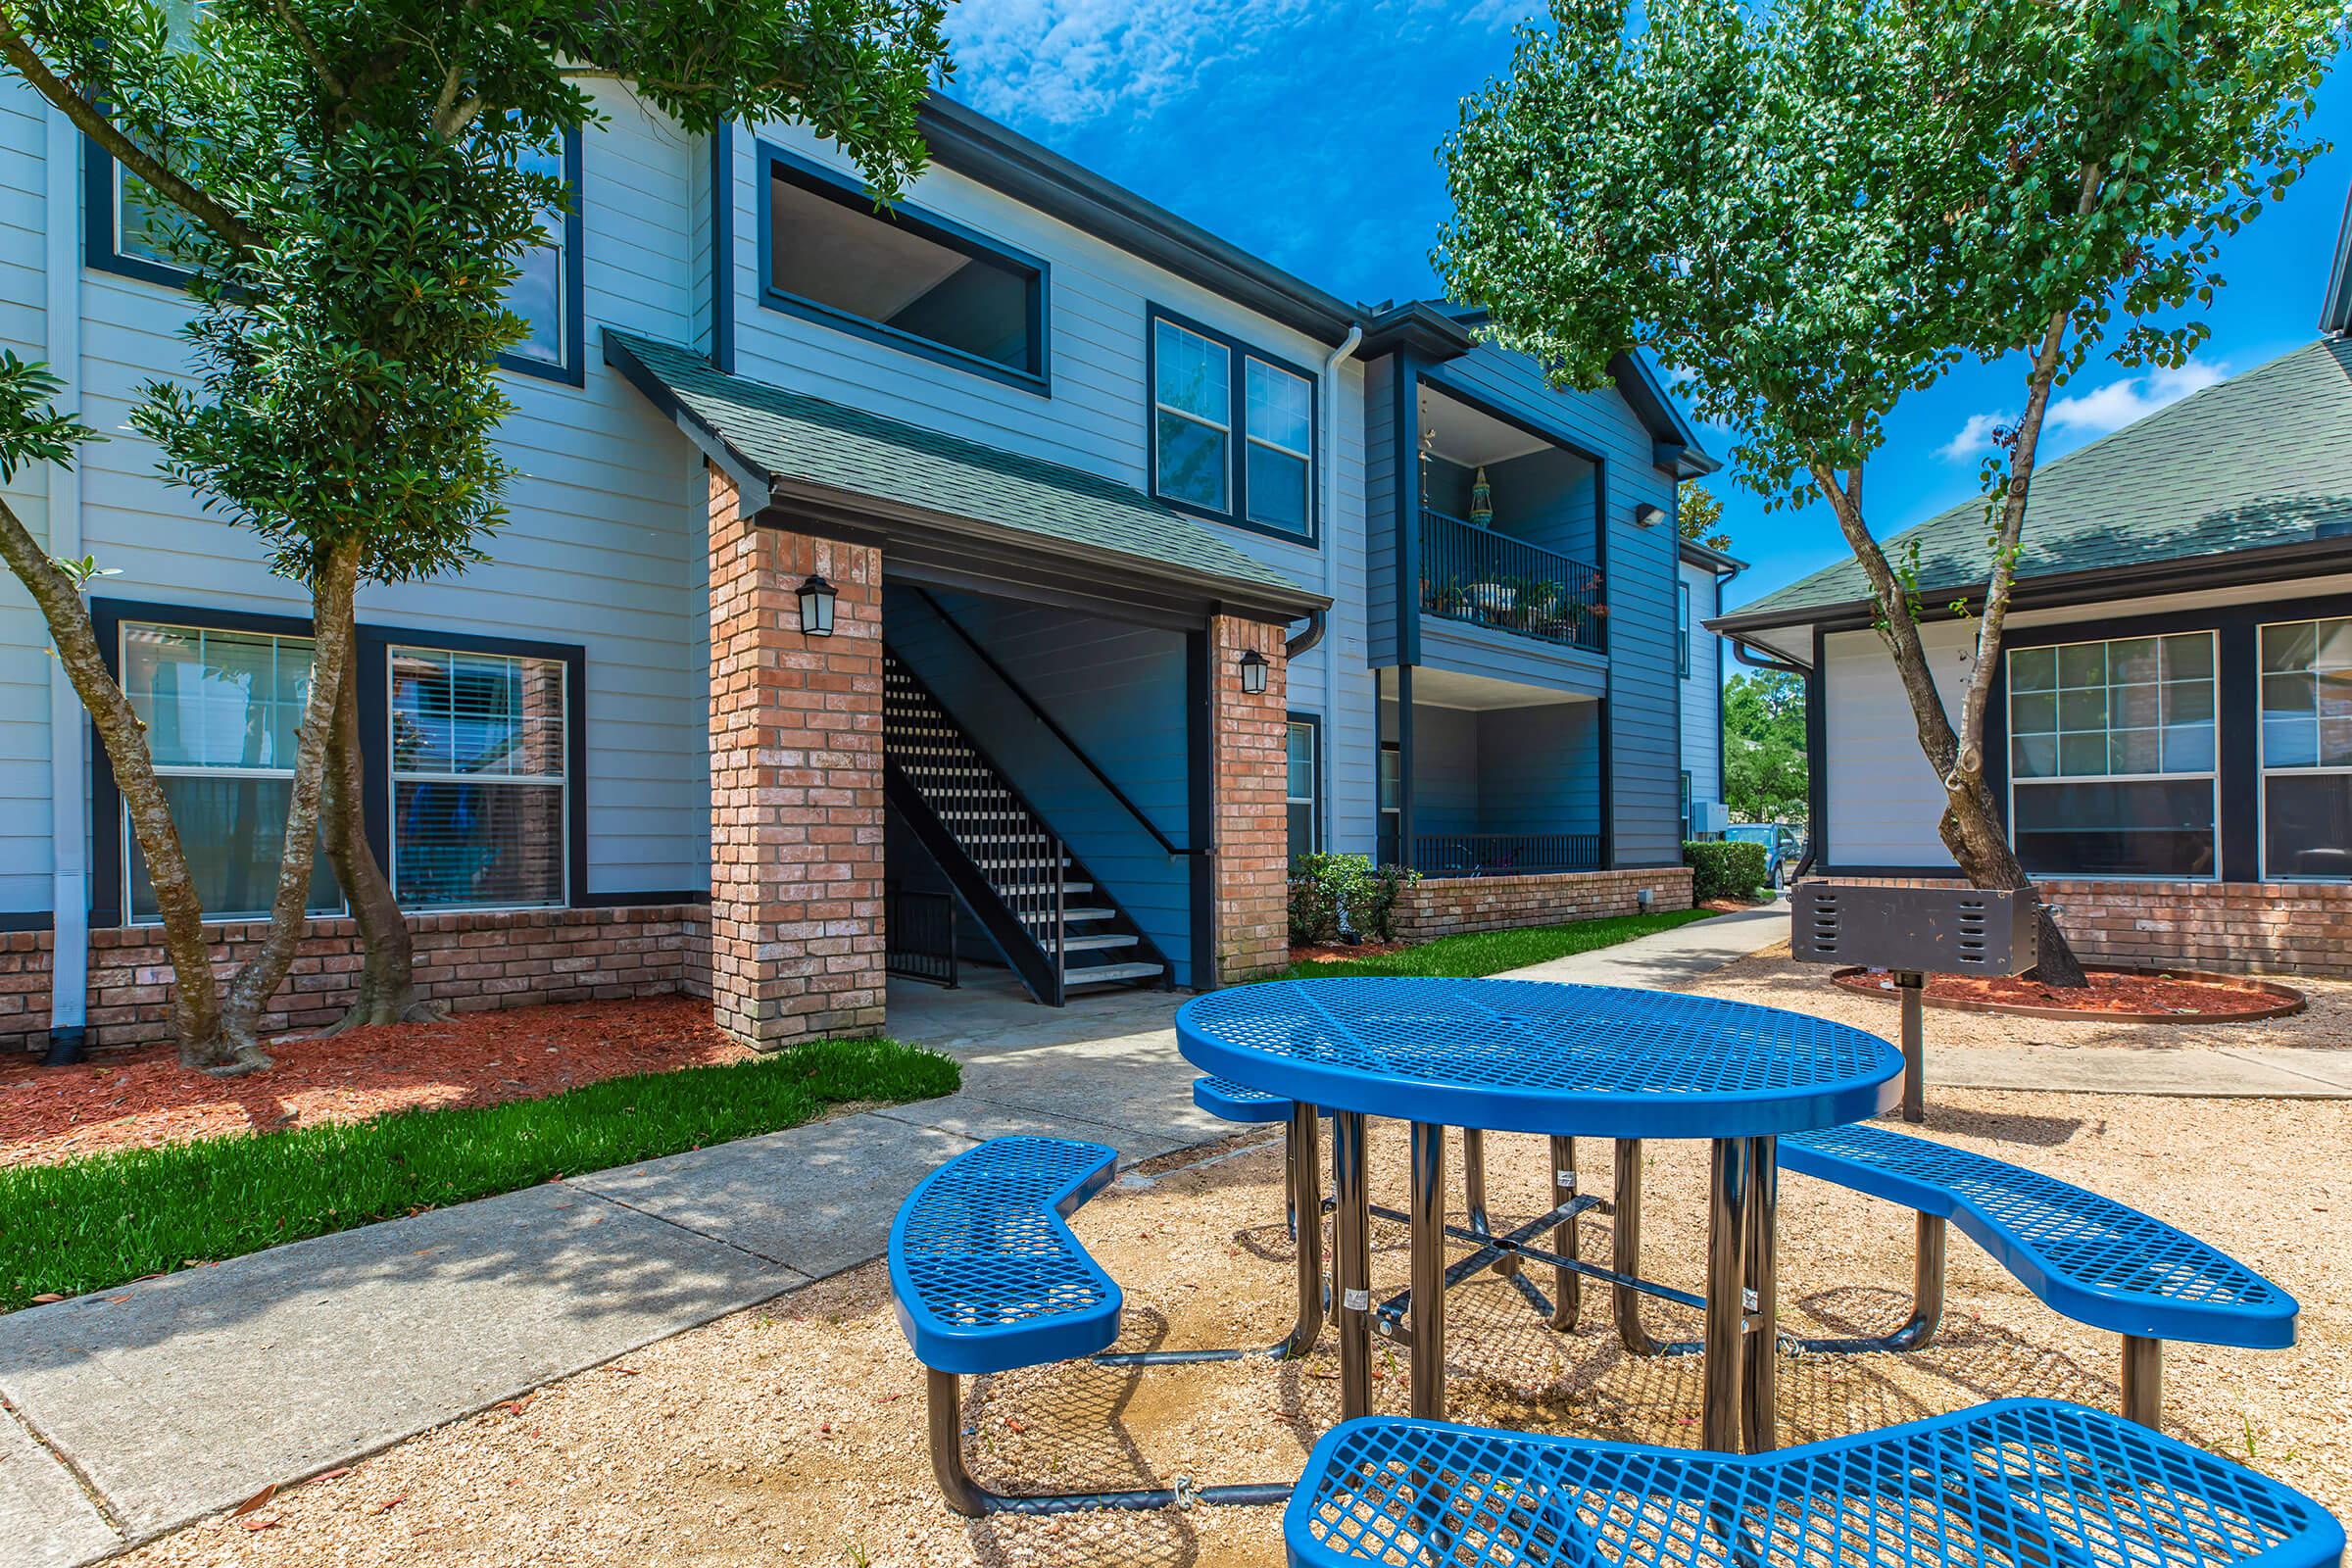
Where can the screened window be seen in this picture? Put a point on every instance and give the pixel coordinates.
(2307, 749)
(223, 709)
(1192, 417)
(479, 804)
(543, 287)
(920, 280)
(2112, 757)
(1199, 381)
(1300, 796)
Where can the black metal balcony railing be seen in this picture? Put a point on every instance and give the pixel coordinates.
(919, 936)
(1504, 853)
(1491, 579)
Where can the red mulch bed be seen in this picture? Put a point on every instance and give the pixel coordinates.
(1341, 951)
(136, 1099)
(2109, 992)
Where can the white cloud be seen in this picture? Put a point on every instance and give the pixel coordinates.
(1974, 438)
(1064, 61)
(2136, 397)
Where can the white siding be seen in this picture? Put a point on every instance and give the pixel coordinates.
(1884, 798)
(1702, 694)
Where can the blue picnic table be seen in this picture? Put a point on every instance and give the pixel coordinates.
(1563, 1062)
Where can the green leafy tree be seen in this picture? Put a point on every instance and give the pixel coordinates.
(1764, 747)
(1808, 212)
(1700, 516)
(349, 189)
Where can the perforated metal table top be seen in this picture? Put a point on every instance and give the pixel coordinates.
(1528, 1055)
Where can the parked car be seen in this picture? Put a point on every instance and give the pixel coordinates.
(1782, 845)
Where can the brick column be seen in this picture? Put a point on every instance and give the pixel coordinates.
(796, 785)
(1251, 778)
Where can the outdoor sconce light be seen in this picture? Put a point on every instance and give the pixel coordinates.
(1253, 673)
(1648, 514)
(816, 606)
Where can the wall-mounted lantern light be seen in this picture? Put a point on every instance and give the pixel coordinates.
(1253, 672)
(816, 606)
(1649, 514)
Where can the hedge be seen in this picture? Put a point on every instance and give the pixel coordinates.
(1724, 869)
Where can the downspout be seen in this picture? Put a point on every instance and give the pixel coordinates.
(69, 728)
(1331, 580)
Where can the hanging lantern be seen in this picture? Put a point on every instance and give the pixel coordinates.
(1253, 673)
(816, 607)
(1482, 501)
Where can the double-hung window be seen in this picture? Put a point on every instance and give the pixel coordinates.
(479, 768)
(1301, 790)
(223, 709)
(1681, 622)
(2307, 749)
(2112, 757)
(1233, 430)
(547, 292)
(1392, 804)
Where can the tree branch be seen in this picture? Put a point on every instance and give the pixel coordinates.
(23, 57)
(328, 80)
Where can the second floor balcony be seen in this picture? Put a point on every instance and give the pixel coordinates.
(1475, 574)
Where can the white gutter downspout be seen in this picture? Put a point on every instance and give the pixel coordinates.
(68, 730)
(1331, 562)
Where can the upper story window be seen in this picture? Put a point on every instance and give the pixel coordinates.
(908, 277)
(1682, 626)
(2112, 757)
(1261, 475)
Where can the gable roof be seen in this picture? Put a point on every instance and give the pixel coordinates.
(811, 452)
(2260, 462)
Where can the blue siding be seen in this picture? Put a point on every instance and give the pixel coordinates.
(1117, 690)
(1542, 770)
(1379, 508)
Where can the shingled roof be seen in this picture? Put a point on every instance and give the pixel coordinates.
(2261, 461)
(804, 443)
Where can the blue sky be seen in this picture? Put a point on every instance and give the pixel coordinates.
(1305, 131)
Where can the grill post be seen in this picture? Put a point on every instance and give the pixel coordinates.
(1913, 986)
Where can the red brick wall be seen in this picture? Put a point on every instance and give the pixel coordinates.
(2236, 927)
(470, 959)
(1444, 905)
(796, 785)
(1252, 763)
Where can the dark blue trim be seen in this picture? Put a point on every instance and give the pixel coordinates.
(573, 370)
(1404, 439)
(26, 921)
(1200, 802)
(774, 161)
(1237, 435)
(101, 245)
(722, 247)
(1314, 722)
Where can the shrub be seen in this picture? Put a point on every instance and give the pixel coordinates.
(1323, 886)
(1723, 869)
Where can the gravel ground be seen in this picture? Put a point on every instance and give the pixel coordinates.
(795, 1433)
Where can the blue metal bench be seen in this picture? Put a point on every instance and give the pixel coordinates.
(2089, 1258)
(2018, 1482)
(986, 1276)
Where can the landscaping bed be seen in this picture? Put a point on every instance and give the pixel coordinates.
(1479, 952)
(85, 1224)
(143, 1097)
(2122, 996)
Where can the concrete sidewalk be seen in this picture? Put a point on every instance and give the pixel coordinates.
(1672, 958)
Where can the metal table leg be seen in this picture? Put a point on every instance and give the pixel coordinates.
(1474, 1192)
(1567, 1285)
(1427, 1205)
(1306, 1172)
(1627, 1253)
(1760, 1390)
(1351, 1263)
(1726, 1236)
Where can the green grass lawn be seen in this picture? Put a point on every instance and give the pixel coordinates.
(91, 1223)
(1481, 953)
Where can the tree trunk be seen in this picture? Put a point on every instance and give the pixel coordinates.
(1972, 830)
(257, 980)
(387, 952)
(195, 996)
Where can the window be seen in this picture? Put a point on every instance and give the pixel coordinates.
(1198, 378)
(222, 710)
(1300, 794)
(914, 281)
(546, 292)
(127, 224)
(2307, 749)
(1392, 804)
(478, 773)
(1681, 622)
(1686, 806)
(2111, 757)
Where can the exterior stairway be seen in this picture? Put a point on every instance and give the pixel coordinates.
(1058, 928)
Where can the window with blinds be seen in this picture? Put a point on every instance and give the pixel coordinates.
(480, 803)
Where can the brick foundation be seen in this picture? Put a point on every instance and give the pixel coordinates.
(471, 960)
(796, 785)
(1251, 743)
(1440, 907)
(2285, 929)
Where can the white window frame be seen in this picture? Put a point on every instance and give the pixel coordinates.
(1312, 799)
(1306, 528)
(1227, 505)
(395, 777)
(129, 906)
(2212, 777)
(2262, 759)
